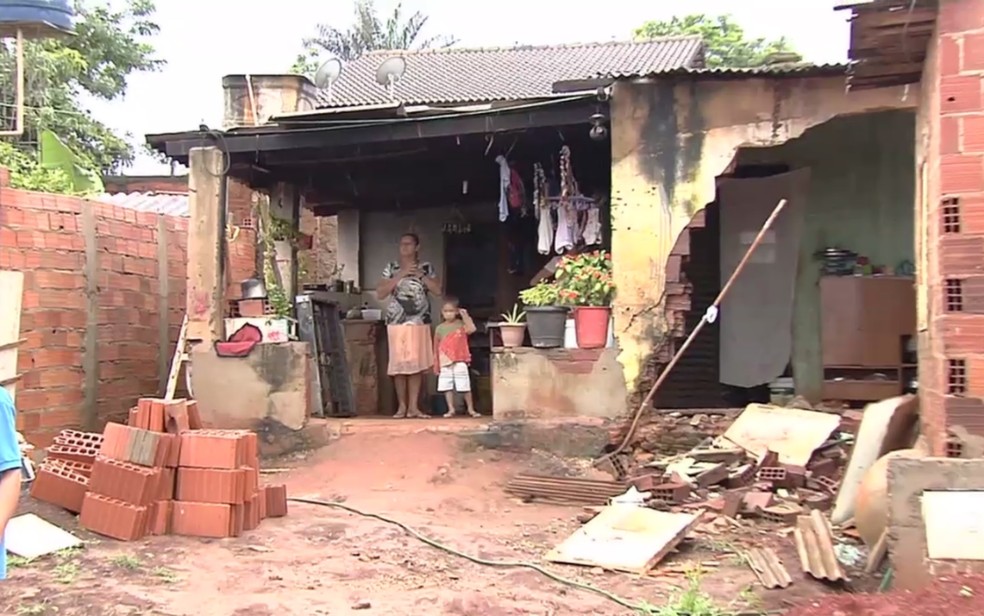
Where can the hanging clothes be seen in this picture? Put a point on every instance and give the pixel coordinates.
(505, 176)
(541, 209)
(592, 228)
(564, 238)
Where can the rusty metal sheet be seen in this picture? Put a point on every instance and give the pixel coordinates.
(768, 568)
(815, 544)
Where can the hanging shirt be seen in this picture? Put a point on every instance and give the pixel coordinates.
(505, 176)
(564, 239)
(544, 231)
(592, 228)
(10, 456)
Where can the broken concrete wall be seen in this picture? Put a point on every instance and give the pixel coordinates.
(539, 384)
(908, 480)
(860, 198)
(670, 139)
(267, 391)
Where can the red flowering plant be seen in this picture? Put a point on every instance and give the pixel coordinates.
(586, 279)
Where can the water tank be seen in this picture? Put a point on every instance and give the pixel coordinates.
(35, 18)
(271, 95)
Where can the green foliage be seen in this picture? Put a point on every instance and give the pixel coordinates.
(727, 45)
(367, 33)
(514, 316)
(28, 174)
(543, 294)
(586, 279)
(111, 43)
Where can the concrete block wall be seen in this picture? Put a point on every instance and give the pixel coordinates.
(951, 366)
(103, 300)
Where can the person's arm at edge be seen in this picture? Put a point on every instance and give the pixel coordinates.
(469, 323)
(433, 283)
(10, 466)
(386, 284)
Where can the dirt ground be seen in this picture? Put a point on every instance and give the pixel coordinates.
(319, 560)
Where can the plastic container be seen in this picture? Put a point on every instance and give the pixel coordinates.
(372, 314)
(570, 335)
(782, 391)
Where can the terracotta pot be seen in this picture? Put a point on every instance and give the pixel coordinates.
(591, 326)
(871, 503)
(512, 334)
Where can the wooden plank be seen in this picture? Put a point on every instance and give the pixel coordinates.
(163, 305)
(90, 357)
(206, 236)
(10, 317)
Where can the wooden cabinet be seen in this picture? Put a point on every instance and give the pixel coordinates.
(366, 350)
(864, 321)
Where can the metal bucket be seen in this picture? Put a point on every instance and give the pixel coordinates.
(253, 288)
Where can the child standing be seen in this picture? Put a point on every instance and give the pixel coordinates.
(451, 355)
(10, 470)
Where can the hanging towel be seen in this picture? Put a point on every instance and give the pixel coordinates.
(545, 230)
(592, 228)
(564, 239)
(505, 174)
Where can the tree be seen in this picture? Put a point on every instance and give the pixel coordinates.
(725, 40)
(109, 45)
(367, 33)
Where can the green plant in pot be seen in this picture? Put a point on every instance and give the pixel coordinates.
(545, 317)
(512, 328)
(585, 282)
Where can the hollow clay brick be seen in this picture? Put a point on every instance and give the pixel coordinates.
(211, 449)
(172, 442)
(176, 417)
(113, 518)
(82, 468)
(75, 437)
(201, 519)
(194, 418)
(73, 453)
(159, 518)
(237, 523)
(252, 477)
(209, 485)
(165, 485)
(276, 501)
(251, 512)
(261, 503)
(124, 481)
(60, 485)
(134, 445)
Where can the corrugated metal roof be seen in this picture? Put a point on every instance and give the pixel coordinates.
(505, 73)
(796, 69)
(172, 204)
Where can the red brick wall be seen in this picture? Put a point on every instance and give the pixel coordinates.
(161, 184)
(952, 346)
(42, 236)
(242, 249)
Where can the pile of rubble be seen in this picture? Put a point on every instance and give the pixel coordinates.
(160, 474)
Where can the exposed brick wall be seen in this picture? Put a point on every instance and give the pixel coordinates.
(242, 248)
(318, 265)
(41, 235)
(951, 370)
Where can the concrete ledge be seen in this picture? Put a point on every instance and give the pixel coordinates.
(573, 438)
(907, 480)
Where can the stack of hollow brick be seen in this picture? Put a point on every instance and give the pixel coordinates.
(162, 473)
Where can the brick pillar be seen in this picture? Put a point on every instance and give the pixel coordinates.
(952, 348)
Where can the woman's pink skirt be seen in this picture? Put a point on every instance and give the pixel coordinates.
(411, 349)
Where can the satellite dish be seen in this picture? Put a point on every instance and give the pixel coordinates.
(390, 72)
(327, 74)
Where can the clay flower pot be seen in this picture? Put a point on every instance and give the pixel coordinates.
(512, 334)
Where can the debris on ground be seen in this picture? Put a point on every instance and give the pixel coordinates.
(625, 538)
(944, 595)
(162, 473)
(29, 536)
(769, 466)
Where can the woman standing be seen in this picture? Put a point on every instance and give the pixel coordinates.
(409, 283)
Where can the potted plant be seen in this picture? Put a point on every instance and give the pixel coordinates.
(512, 327)
(585, 282)
(545, 317)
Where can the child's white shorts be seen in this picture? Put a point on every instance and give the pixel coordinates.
(454, 378)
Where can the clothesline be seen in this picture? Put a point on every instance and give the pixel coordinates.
(580, 203)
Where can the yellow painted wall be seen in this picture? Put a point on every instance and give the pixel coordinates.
(670, 139)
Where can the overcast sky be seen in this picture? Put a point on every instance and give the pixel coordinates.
(202, 40)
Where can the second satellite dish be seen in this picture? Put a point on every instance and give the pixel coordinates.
(390, 72)
(327, 74)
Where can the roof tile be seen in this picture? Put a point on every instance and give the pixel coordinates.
(506, 73)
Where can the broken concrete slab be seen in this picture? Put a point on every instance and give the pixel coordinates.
(908, 480)
(792, 434)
